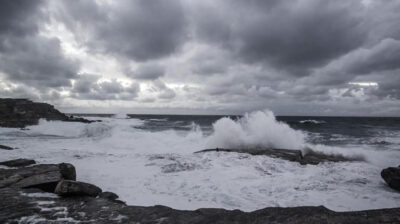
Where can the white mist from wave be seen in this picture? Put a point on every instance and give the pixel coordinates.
(256, 129)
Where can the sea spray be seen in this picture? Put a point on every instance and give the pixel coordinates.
(256, 129)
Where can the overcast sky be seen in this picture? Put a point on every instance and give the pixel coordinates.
(301, 57)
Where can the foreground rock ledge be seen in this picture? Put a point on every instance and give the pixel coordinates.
(32, 205)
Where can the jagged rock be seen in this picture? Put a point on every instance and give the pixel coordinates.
(42, 176)
(109, 195)
(311, 157)
(6, 147)
(391, 176)
(19, 113)
(18, 162)
(74, 188)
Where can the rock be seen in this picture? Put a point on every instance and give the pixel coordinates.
(67, 171)
(76, 188)
(6, 147)
(19, 113)
(391, 176)
(311, 157)
(109, 195)
(16, 206)
(18, 162)
(42, 176)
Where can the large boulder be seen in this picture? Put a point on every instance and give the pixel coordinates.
(392, 177)
(76, 188)
(18, 162)
(43, 176)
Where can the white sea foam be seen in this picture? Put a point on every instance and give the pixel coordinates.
(258, 128)
(148, 168)
(312, 122)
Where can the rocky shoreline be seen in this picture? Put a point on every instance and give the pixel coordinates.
(19, 113)
(49, 193)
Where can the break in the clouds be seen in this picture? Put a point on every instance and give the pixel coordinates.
(228, 56)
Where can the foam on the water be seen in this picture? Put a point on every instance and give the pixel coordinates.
(159, 167)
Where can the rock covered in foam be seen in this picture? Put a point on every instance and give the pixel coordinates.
(76, 188)
(392, 177)
(309, 158)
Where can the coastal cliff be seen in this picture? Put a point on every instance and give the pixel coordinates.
(19, 113)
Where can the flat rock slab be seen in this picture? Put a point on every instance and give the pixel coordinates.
(391, 176)
(18, 206)
(43, 176)
(312, 157)
(18, 162)
(76, 188)
(4, 147)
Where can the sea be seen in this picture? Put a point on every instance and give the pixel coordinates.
(149, 159)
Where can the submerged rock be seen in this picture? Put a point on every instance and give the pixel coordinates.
(391, 176)
(311, 157)
(18, 113)
(76, 188)
(6, 147)
(18, 162)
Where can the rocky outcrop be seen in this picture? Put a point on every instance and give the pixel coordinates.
(392, 177)
(4, 147)
(19, 204)
(42, 176)
(311, 157)
(20, 113)
(18, 162)
(76, 188)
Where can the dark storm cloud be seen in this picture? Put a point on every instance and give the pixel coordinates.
(25, 55)
(137, 30)
(89, 87)
(294, 36)
(147, 71)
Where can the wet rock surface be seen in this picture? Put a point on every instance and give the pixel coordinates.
(18, 162)
(32, 205)
(4, 147)
(76, 188)
(311, 157)
(391, 176)
(42, 176)
(19, 113)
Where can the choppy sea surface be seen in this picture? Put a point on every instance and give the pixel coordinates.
(149, 159)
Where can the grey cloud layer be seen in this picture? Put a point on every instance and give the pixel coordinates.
(254, 52)
(25, 55)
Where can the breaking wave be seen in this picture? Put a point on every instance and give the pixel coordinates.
(256, 129)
